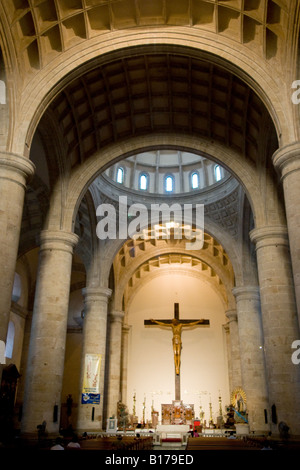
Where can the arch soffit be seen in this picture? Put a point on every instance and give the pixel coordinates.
(83, 176)
(135, 256)
(223, 240)
(208, 259)
(224, 295)
(56, 32)
(234, 57)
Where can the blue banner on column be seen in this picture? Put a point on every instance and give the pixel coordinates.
(90, 398)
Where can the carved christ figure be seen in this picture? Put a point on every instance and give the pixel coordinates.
(177, 343)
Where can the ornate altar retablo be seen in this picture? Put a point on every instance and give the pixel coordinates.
(189, 413)
(166, 414)
(177, 413)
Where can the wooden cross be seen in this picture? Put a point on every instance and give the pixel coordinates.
(176, 324)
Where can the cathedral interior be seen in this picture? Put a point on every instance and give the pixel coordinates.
(109, 108)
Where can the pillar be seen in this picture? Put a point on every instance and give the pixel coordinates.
(23, 364)
(287, 162)
(14, 172)
(280, 324)
(124, 361)
(46, 354)
(235, 360)
(90, 416)
(252, 355)
(115, 343)
(226, 330)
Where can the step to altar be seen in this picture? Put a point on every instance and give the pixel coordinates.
(169, 446)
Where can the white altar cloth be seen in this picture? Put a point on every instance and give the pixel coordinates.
(171, 431)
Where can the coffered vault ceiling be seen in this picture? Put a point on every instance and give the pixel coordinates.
(137, 259)
(161, 93)
(44, 28)
(145, 90)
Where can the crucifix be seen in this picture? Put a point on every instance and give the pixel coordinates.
(176, 324)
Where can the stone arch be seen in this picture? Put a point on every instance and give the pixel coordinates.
(48, 83)
(112, 249)
(209, 260)
(190, 272)
(82, 176)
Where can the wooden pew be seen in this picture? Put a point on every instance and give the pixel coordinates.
(217, 443)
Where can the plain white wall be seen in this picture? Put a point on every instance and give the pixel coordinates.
(204, 369)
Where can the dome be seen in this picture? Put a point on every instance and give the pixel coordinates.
(163, 172)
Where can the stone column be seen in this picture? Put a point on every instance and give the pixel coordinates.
(287, 161)
(252, 355)
(280, 324)
(14, 172)
(115, 343)
(235, 359)
(90, 416)
(24, 361)
(46, 355)
(226, 330)
(124, 361)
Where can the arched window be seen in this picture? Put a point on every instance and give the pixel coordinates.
(10, 340)
(218, 173)
(2, 92)
(120, 175)
(16, 293)
(143, 184)
(169, 184)
(195, 180)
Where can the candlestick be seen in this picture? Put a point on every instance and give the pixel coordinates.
(201, 414)
(144, 406)
(134, 400)
(210, 413)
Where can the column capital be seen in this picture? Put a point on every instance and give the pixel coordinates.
(269, 236)
(246, 293)
(17, 165)
(116, 316)
(287, 159)
(58, 240)
(231, 315)
(126, 328)
(96, 293)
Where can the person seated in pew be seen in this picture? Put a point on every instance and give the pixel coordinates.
(74, 443)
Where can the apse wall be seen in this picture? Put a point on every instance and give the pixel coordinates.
(204, 369)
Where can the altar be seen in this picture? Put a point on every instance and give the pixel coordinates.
(171, 434)
(177, 413)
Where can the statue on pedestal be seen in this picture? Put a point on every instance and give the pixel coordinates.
(239, 404)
